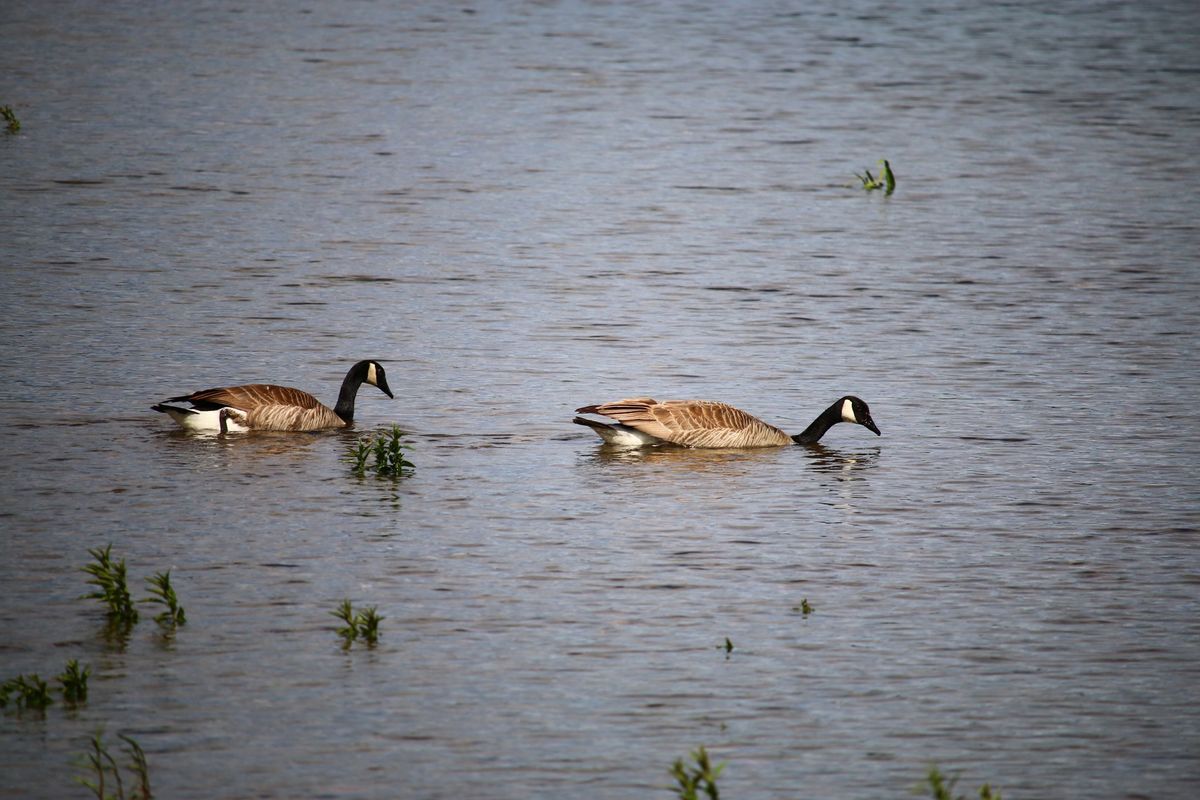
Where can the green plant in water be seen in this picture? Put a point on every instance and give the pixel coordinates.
(886, 180)
(368, 625)
(73, 682)
(30, 690)
(109, 578)
(889, 179)
(700, 775)
(942, 788)
(388, 451)
(869, 181)
(804, 608)
(363, 623)
(100, 766)
(728, 646)
(140, 768)
(358, 454)
(11, 123)
(345, 612)
(163, 593)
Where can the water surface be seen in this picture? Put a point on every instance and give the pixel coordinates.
(526, 209)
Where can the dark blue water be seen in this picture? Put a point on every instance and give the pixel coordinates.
(529, 208)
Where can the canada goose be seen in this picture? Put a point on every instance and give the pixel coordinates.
(265, 407)
(642, 422)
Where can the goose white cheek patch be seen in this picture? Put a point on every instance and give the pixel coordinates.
(848, 412)
(371, 375)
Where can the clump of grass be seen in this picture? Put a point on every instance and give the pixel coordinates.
(728, 646)
(871, 183)
(368, 625)
(100, 766)
(364, 624)
(163, 593)
(700, 775)
(73, 682)
(942, 788)
(385, 452)
(11, 123)
(112, 589)
(805, 607)
(30, 690)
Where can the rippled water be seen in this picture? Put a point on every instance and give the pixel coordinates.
(527, 208)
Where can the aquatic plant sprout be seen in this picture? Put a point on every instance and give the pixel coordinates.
(112, 589)
(388, 450)
(699, 775)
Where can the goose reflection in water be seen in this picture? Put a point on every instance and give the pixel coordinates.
(685, 458)
(846, 465)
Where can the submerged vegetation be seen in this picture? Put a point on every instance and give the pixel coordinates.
(163, 593)
(889, 179)
(31, 692)
(112, 587)
(103, 774)
(73, 682)
(885, 181)
(385, 452)
(11, 123)
(698, 776)
(358, 624)
(942, 788)
(869, 181)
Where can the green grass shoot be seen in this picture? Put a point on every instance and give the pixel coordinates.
(386, 448)
(942, 788)
(869, 181)
(364, 624)
(163, 593)
(11, 123)
(889, 179)
(73, 681)
(103, 774)
(368, 625)
(31, 692)
(112, 589)
(804, 608)
(728, 646)
(885, 181)
(349, 632)
(698, 776)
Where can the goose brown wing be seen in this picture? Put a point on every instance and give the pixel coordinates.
(636, 412)
(708, 423)
(250, 397)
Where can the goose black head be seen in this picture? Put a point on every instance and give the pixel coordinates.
(855, 410)
(375, 376)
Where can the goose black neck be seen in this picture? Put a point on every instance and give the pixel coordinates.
(345, 401)
(828, 418)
